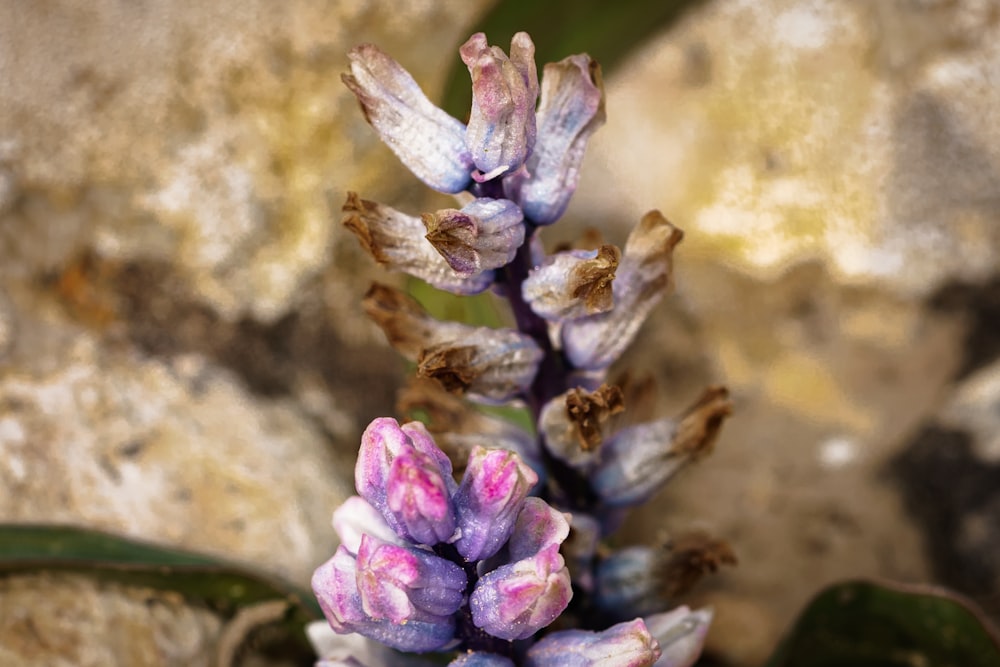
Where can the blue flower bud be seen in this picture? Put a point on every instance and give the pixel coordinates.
(427, 140)
(404, 584)
(628, 644)
(501, 130)
(516, 600)
(626, 582)
(419, 500)
(484, 234)
(336, 589)
(489, 499)
(571, 109)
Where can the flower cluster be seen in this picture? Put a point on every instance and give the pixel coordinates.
(483, 566)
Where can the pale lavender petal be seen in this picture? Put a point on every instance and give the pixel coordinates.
(627, 644)
(572, 284)
(538, 526)
(571, 109)
(516, 600)
(596, 341)
(419, 499)
(485, 234)
(381, 443)
(501, 129)
(356, 517)
(481, 659)
(396, 241)
(681, 634)
(427, 140)
(489, 499)
(403, 584)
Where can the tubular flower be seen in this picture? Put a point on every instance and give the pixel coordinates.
(501, 130)
(571, 109)
(628, 644)
(484, 234)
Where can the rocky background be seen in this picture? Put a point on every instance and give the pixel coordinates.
(183, 359)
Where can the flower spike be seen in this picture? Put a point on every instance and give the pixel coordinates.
(426, 139)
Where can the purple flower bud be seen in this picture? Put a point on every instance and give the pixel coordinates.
(571, 109)
(484, 235)
(402, 584)
(681, 634)
(336, 589)
(627, 644)
(396, 241)
(595, 342)
(419, 499)
(501, 130)
(381, 444)
(481, 659)
(356, 517)
(516, 600)
(572, 284)
(488, 500)
(538, 526)
(580, 548)
(627, 582)
(427, 140)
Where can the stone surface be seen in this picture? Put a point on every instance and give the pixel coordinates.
(859, 133)
(60, 620)
(208, 135)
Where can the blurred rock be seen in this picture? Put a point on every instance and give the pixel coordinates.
(206, 135)
(863, 134)
(56, 620)
(175, 451)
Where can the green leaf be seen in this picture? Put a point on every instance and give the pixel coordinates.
(224, 587)
(864, 624)
(608, 31)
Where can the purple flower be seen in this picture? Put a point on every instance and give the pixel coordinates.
(628, 644)
(419, 499)
(571, 109)
(488, 500)
(403, 584)
(420, 485)
(501, 130)
(516, 600)
(427, 140)
(538, 526)
(335, 586)
(484, 234)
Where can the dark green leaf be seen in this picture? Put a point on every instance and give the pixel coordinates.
(863, 624)
(608, 31)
